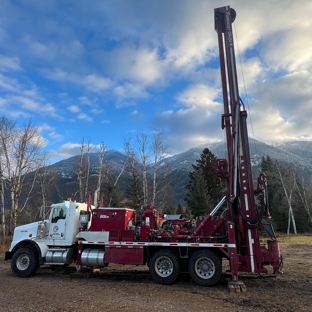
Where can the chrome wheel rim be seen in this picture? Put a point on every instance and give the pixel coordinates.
(205, 268)
(22, 262)
(163, 266)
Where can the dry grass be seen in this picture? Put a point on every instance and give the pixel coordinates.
(295, 239)
(128, 287)
(5, 243)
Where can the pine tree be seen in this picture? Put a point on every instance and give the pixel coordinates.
(198, 199)
(205, 188)
(169, 208)
(112, 196)
(180, 210)
(134, 191)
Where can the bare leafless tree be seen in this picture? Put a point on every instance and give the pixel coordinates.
(86, 186)
(101, 169)
(130, 153)
(288, 191)
(83, 169)
(304, 198)
(47, 180)
(114, 184)
(160, 169)
(7, 131)
(150, 155)
(21, 157)
(2, 210)
(141, 146)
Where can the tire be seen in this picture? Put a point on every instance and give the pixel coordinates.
(24, 262)
(205, 268)
(164, 266)
(36, 268)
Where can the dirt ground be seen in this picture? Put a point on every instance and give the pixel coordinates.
(127, 288)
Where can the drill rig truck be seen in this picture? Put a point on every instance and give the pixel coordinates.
(93, 237)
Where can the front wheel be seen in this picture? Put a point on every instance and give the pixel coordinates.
(205, 268)
(164, 267)
(24, 262)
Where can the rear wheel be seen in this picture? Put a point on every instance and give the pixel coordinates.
(205, 268)
(164, 267)
(24, 262)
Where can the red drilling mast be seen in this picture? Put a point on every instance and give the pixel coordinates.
(245, 214)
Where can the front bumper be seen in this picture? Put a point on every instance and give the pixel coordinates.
(8, 255)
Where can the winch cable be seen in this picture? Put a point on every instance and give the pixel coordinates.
(245, 90)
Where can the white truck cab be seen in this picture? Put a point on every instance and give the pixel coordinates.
(50, 241)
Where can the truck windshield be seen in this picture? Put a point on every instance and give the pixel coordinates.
(58, 213)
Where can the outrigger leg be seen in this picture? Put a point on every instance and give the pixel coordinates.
(234, 285)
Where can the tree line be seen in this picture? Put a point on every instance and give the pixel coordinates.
(27, 182)
(290, 197)
(289, 193)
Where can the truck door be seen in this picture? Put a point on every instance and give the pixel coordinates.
(58, 223)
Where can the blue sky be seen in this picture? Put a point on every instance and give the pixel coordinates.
(104, 70)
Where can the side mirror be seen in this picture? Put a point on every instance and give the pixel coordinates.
(42, 212)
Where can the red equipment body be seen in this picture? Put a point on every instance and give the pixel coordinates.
(106, 219)
(170, 244)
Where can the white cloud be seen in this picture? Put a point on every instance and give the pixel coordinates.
(45, 49)
(199, 95)
(67, 150)
(146, 68)
(9, 84)
(130, 90)
(84, 116)
(91, 82)
(122, 103)
(96, 111)
(56, 136)
(136, 115)
(157, 56)
(74, 109)
(290, 52)
(33, 93)
(57, 74)
(70, 149)
(191, 126)
(87, 101)
(251, 72)
(46, 127)
(9, 63)
(31, 105)
(97, 83)
(51, 132)
(290, 118)
(48, 109)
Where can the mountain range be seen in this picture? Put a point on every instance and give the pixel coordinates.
(295, 153)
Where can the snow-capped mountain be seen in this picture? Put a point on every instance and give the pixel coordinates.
(296, 153)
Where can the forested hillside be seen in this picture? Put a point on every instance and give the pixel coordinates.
(121, 180)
